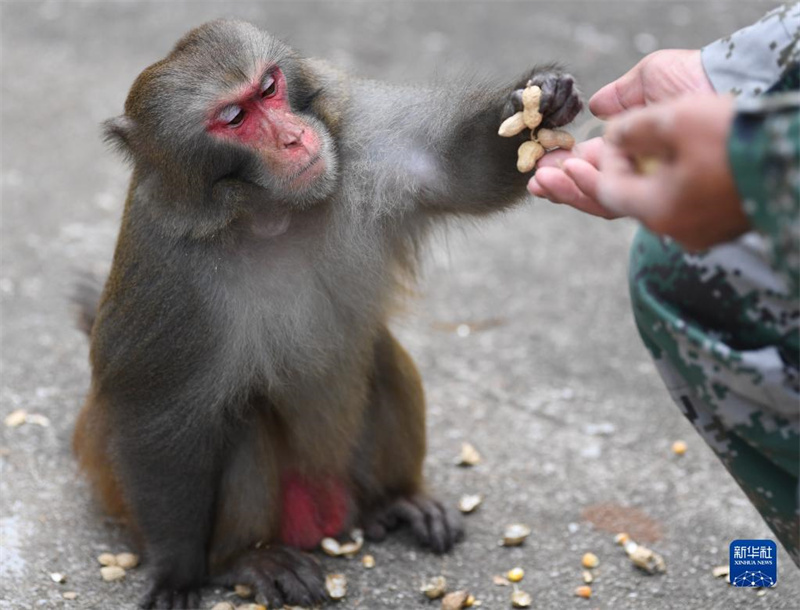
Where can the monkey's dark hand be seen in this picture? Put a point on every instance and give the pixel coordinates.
(278, 576)
(560, 102)
(177, 578)
(433, 524)
(162, 595)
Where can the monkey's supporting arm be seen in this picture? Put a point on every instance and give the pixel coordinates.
(157, 379)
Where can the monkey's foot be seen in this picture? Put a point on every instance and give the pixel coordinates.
(433, 524)
(560, 101)
(278, 576)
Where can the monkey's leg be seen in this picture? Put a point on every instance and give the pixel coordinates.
(251, 507)
(390, 485)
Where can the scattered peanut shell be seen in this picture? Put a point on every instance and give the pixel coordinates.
(368, 561)
(679, 447)
(471, 601)
(528, 154)
(590, 560)
(469, 455)
(16, 418)
(621, 538)
(455, 600)
(251, 607)
(521, 599)
(243, 591)
(515, 534)
(336, 584)
(58, 577)
(721, 571)
(333, 548)
(110, 573)
(107, 559)
(583, 591)
(127, 560)
(512, 125)
(434, 588)
(469, 503)
(70, 595)
(515, 574)
(530, 102)
(501, 581)
(223, 606)
(555, 138)
(587, 577)
(37, 420)
(645, 559)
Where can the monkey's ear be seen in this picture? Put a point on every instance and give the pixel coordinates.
(118, 132)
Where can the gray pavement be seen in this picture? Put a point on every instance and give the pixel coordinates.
(552, 385)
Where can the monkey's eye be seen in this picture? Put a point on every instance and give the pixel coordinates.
(232, 115)
(269, 87)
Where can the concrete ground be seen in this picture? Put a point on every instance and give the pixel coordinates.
(551, 384)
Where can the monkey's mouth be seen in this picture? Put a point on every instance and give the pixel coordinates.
(301, 173)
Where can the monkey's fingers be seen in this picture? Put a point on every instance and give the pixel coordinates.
(158, 598)
(445, 526)
(407, 512)
(560, 101)
(279, 576)
(307, 572)
(267, 592)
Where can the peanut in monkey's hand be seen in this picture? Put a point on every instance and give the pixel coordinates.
(530, 118)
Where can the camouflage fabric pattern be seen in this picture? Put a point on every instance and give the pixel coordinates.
(724, 325)
(749, 62)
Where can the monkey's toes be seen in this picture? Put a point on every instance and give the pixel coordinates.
(433, 524)
(279, 576)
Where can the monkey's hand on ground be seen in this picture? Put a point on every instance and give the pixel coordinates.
(434, 525)
(278, 576)
(163, 595)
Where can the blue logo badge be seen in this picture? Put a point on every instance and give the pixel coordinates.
(753, 563)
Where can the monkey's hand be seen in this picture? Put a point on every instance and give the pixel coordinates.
(164, 593)
(560, 102)
(433, 524)
(278, 575)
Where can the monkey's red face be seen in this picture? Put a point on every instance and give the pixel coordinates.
(259, 116)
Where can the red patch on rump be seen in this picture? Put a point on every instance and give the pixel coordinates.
(312, 510)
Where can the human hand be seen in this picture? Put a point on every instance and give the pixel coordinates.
(690, 195)
(571, 178)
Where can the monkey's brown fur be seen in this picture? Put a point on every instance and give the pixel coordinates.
(247, 397)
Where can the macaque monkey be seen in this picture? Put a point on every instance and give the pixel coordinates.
(247, 397)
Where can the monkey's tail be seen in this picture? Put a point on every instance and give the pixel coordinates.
(86, 299)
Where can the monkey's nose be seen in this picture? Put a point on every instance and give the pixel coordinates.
(291, 137)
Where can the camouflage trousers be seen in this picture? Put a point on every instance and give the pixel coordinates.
(723, 330)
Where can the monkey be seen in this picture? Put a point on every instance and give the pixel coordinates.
(247, 397)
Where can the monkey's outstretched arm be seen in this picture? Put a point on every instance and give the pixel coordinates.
(445, 146)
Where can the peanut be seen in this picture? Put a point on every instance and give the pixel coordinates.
(555, 138)
(528, 154)
(530, 102)
(512, 125)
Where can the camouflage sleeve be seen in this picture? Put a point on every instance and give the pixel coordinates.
(749, 62)
(764, 153)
